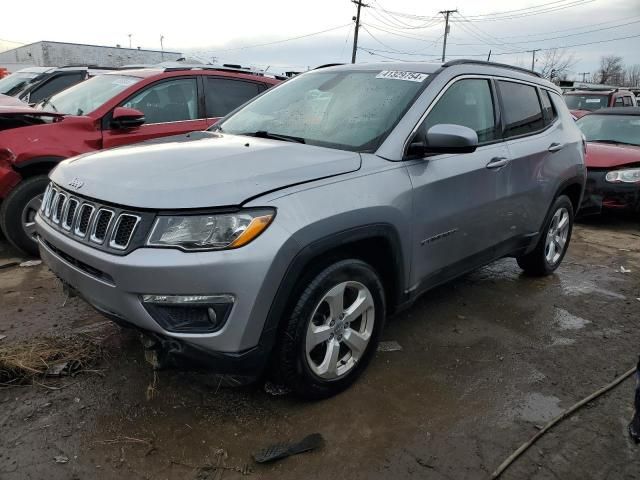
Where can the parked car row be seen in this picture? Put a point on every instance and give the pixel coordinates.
(583, 101)
(108, 110)
(277, 241)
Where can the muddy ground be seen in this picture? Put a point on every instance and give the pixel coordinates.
(485, 360)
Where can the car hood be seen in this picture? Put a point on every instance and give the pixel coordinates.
(579, 113)
(15, 113)
(8, 101)
(199, 170)
(608, 155)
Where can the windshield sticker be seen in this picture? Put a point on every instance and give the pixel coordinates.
(399, 75)
(124, 82)
(593, 100)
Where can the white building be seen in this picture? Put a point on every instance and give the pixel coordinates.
(58, 54)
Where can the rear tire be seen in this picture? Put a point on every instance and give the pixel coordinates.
(18, 212)
(333, 330)
(554, 240)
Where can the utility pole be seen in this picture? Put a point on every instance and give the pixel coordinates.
(129, 40)
(161, 47)
(533, 59)
(584, 76)
(355, 34)
(489, 56)
(446, 14)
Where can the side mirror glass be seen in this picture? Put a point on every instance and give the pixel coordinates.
(124, 117)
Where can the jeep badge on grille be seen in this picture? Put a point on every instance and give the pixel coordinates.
(76, 183)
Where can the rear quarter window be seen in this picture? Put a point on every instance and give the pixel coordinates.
(521, 108)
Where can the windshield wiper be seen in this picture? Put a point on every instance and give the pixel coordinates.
(275, 136)
(47, 101)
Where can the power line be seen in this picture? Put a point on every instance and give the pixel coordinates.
(525, 51)
(284, 40)
(495, 18)
(412, 37)
(522, 11)
(549, 38)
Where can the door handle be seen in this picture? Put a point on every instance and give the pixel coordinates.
(555, 147)
(497, 162)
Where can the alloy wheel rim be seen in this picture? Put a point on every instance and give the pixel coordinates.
(557, 235)
(340, 330)
(29, 213)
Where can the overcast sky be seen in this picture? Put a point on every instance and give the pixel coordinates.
(398, 29)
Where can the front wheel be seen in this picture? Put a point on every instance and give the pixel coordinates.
(554, 241)
(333, 330)
(18, 214)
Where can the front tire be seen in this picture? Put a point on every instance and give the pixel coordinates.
(333, 330)
(18, 214)
(554, 240)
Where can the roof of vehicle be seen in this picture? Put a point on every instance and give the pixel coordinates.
(151, 72)
(632, 111)
(35, 70)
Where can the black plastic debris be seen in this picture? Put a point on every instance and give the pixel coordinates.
(634, 426)
(283, 450)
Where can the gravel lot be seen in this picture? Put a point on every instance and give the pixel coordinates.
(484, 361)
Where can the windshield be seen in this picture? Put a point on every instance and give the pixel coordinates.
(611, 128)
(15, 82)
(352, 110)
(588, 102)
(85, 97)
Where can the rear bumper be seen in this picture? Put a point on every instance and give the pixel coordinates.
(601, 195)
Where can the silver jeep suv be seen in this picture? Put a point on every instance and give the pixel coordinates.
(279, 241)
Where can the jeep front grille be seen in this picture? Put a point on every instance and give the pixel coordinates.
(104, 227)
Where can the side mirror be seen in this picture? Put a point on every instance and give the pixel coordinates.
(124, 117)
(445, 138)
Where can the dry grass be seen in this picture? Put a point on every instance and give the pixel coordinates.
(26, 361)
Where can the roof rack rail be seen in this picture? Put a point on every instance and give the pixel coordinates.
(244, 70)
(463, 61)
(327, 65)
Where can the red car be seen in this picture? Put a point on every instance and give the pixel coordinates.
(109, 110)
(612, 160)
(581, 102)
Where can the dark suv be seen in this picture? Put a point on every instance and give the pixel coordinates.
(117, 108)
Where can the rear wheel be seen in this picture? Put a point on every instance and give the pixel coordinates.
(333, 330)
(554, 241)
(18, 214)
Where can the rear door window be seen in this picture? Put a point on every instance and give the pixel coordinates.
(618, 102)
(521, 108)
(168, 101)
(627, 101)
(222, 95)
(548, 109)
(468, 103)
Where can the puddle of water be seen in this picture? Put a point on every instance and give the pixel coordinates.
(568, 321)
(562, 341)
(538, 408)
(586, 287)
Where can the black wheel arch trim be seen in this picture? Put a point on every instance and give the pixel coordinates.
(313, 251)
(52, 159)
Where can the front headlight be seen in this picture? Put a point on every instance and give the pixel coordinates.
(209, 232)
(631, 175)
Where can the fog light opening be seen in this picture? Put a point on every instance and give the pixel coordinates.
(189, 313)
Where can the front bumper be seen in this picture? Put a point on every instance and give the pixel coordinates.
(600, 194)
(114, 284)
